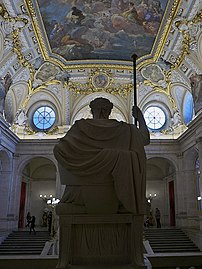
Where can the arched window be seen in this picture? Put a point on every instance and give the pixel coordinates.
(155, 118)
(188, 107)
(44, 118)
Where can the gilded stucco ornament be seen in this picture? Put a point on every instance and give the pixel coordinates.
(100, 80)
(14, 26)
(157, 78)
(47, 75)
(186, 28)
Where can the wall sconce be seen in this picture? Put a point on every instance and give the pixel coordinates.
(199, 198)
(53, 201)
(49, 199)
(151, 197)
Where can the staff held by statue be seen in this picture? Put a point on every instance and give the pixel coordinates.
(134, 57)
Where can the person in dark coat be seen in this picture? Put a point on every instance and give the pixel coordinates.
(32, 225)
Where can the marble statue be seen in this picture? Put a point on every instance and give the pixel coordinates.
(196, 88)
(4, 87)
(102, 162)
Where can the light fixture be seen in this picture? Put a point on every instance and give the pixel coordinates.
(49, 199)
(199, 198)
(53, 201)
(151, 197)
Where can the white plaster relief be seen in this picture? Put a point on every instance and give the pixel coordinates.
(4, 68)
(194, 10)
(143, 90)
(9, 109)
(56, 90)
(177, 48)
(23, 75)
(194, 67)
(9, 7)
(176, 77)
(1, 44)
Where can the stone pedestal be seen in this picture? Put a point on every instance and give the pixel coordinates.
(106, 241)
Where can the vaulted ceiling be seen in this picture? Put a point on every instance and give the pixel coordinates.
(64, 53)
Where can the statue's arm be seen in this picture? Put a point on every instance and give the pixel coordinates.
(137, 114)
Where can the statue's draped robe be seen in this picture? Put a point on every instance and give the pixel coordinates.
(93, 147)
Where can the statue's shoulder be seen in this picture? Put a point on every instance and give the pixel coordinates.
(79, 122)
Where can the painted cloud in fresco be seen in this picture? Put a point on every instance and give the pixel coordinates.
(108, 29)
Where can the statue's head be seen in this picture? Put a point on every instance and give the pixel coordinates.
(101, 108)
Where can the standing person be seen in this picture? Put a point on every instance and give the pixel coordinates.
(32, 226)
(150, 220)
(28, 219)
(158, 218)
(49, 222)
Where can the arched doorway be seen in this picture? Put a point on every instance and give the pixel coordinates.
(38, 184)
(160, 189)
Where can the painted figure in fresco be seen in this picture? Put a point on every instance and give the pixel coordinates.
(5, 84)
(75, 15)
(131, 14)
(196, 88)
(100, 81)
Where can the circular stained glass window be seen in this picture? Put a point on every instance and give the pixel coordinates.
(44, 118)
(155, 117)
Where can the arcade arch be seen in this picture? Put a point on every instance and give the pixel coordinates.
(160, 188)
(38, 177)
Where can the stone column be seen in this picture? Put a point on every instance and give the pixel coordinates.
(180, 208)
(190, 198)
(4, 200)
(15, 191)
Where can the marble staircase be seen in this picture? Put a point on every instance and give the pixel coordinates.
(24, 243)
(168, 240)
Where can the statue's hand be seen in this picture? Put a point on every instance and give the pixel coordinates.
(136, 112)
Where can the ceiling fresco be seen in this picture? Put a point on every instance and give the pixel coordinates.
(105, 30)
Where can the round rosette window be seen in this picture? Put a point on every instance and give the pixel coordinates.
(155, 118)
(44, 118)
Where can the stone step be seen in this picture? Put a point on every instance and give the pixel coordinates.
(20, 252)
(166, 249)
(26, 240)
(190, 244)
(20, 246)
(169, 240)
(5, 243)
(24, 243)
(172, 245)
